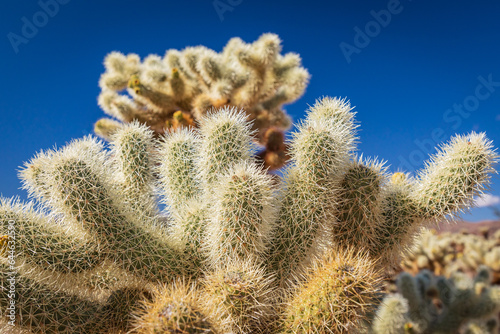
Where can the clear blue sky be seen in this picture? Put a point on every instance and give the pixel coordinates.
(404, 77)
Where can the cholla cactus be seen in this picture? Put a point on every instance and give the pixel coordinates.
(461, 300)
(179, 88)
(300, 254)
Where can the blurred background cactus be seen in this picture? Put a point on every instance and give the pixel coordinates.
(447, 253)
(466, 264)
(243, 252)
(179, 88)
(428, 304)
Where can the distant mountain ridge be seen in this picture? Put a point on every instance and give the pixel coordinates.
(470, 227)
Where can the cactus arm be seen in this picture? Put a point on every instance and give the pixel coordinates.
(319, 149)
(359, 195)
(242, 216)
(226, 140)
(79, 187)
(178, 171)
(43, 242)
(459, 171)
(132, 151)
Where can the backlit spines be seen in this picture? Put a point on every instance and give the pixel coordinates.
(337, 113)
(316, 151)
(81, 189)
(121, 107)
(242, 215)
(49, 303)
(132, 150)
(446, 187)
(322, 143)
(120, 67)
(225, 141)
(458, 172)
(178, 170)
(43, 241)
(117, 313)
(133, 161)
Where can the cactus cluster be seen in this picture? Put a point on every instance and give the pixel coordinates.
(178, 89)
(242, 250)
(436, 305)
(447, 253)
